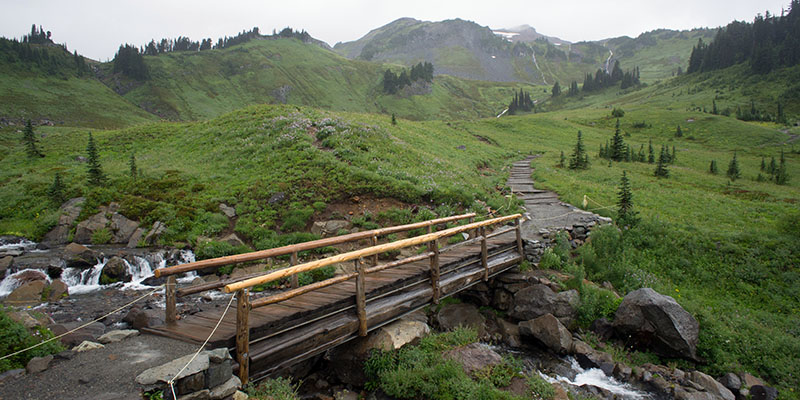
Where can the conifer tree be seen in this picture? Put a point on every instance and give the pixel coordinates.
(556, 89)
(733, 172)
(673, 157)
(781, 176)
(602, 152)
(651, 157)
(617, 145)
(394, 119)
(628, 153)
(714, 109)
(132, 165)
(29, 138)
(661, 168)
(640, 157)
(56, 190)
(763, 165)
(578, 156)
(626, 216)
(96, 177)
(678, 132)
(713, 168)
(562, 160)
(772, 166)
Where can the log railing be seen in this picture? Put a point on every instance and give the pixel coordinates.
(432, 239)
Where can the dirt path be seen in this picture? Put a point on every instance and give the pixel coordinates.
(545, 211)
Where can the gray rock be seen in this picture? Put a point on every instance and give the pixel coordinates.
(191, 383)
(502, 299)
(473, 357)
(79, 256)
(165, 372)
(602, 328)
(711, 385)
(116, 270)
(537, 300)
(87, 346)
(232, 240)
(70, 211)
(622, 372)
(85, 229)
(138, 318)
(510, 332)
(155, 232)
(548, 330)
(452, 316)
(5, 263)
(329, 228)
(749, 380)
(204, 394)
(761, 392)
(28, 294)
(89, 333)
(136, 237)
(588, 357)
(731, 381)
(12, 374)
(122, 228)
(229, 211)
(58, 290)
(226, 389)
(277, 198)
(38, 364)
(682, 393)
(658, 322)
(345, 394)
(219, 355)
(117, 335)
(218, 373)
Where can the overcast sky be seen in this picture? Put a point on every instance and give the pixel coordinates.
(96, 28)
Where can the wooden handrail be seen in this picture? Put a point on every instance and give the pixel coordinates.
(293, 248)
(350, 256)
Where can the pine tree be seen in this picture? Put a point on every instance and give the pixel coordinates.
(628, 153)
(640, 157)
(617, 145)
(651, 157)
(96, 177)
(29, 138)
(673, 157)
(578, 156)
(661, 168)
(132, 165)
(562, 160)
(763, 165)
(781, 177)
(626, 216)
(713, 168)
(556, 89)
(772, 166)
(678, 132)
(394, 119)
(56, 190)
(733, 172)
(714, 109)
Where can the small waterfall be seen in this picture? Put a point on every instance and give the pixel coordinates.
(11, 282)
(597, 378)
(83, 281)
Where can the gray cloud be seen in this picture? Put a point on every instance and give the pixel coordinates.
(96, 28)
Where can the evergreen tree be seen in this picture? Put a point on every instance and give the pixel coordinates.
(678, 132)
(626, 216)
(628, 153)
(132, 165)
(56, 190)
(713, 168)
(733, 172)
(602, 152)
(781, 177)
(562, 160)
(661, 168)
(556, 89)
(772, 167)
(29, 138)
(96, 176)
(394, 119)
(617, 145)
(714, 109)
(673, 157)
(578, 157)
(763, 165)
(651, 157)
(640, 157)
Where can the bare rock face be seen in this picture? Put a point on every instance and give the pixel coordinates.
(711, 385)
(122, 228)
(537, 300)
(154, 233)
(58, 290)
(548, 330)
(69, 213)
(85, 229)
(657, 322)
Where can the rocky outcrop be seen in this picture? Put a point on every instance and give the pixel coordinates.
(154, 233)
(120, 227)
(69, 213)
(712, 386)
(549, 331)
(657, 322)
(79, 256)
(537, 300)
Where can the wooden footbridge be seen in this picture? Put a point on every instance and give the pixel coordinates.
(269, 333)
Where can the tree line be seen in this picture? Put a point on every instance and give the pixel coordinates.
(601, 80)
(37, 50)
(521, 102)
(767, 43)
(393, 82)
(182, 43)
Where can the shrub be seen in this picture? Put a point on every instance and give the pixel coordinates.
(296, 218)
(540, 388)
(101, 236)
(319, 274)
(274, 389)
(596, 303)
(214, 249)
(550, 260)
(617, 113)
(14, 337)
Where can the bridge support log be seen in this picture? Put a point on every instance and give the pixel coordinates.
(519, 238)
(243, 334)
(361, 298)
(293, 262)
(170, 299)
(433, 248)
(484, 254)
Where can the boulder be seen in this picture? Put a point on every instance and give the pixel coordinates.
(38, 364)
(502, 300)
(87, 345)
(88, 333)
(25, 318)
(732, 382)
(69, 213)
(138, 318)
(117, 335)
(85, 229)
(57, 290)
(122, 228)
(537, 300)
(657, 322)
(29, 275)
(548, 330)
(588, 357)
(509, 332)
(749, 380)
(329, 228)
(115, 270)
(226, 389)
(232, 240)
(474, 357)
(165, 372)
(683, 393)
(28, 294)
(155, 232)
(5, 263)
(229, 211)
(452, 316)
(761, 392)
(79, 256)
(136, 237)
(602, 328)
(277, 198)
(711, 385)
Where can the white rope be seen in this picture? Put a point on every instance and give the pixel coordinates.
(171, 382)
(80, 327)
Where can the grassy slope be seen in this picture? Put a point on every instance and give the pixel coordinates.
(69, 101)
(202, 85)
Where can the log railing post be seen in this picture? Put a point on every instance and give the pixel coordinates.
(519, 239)
(243, 334)
(170, 299)
(433, 247)
(472, 232)
(484, 254)
(293, 262)
(361, 298)
(375, 243)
